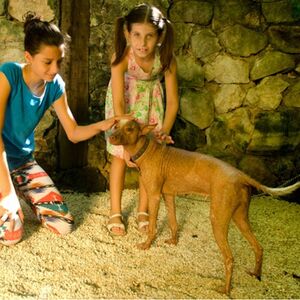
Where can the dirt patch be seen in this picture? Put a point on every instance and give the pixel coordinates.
(90, 264)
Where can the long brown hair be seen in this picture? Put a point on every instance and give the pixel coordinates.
(145, 13)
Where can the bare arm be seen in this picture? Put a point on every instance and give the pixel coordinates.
(117, 85)
(77, 133)
(6, 186)
(172, 102)
(8, 199)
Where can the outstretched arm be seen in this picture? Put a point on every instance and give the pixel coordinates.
(77, 133)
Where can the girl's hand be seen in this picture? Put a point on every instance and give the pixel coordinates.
(108, 123)
(6, 216)
(162, 137)
(11, 215)
(9, 207)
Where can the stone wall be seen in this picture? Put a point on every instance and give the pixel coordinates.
(238, 67)
(238, 72)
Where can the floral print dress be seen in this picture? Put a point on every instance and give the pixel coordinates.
(143, 95)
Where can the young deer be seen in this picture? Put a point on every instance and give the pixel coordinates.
(170, 171)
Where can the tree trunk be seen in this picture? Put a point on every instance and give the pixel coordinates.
(75, 20)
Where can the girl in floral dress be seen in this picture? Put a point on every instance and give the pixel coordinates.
(143, 57)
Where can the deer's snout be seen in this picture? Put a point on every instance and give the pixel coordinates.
(115, 138)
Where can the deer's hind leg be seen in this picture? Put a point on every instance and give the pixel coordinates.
(220, 215)
(241, 219)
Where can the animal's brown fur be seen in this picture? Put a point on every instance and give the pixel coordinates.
(170, 171)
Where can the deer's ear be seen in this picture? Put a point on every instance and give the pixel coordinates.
(147, 129)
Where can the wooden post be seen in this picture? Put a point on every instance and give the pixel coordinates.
(75, 20)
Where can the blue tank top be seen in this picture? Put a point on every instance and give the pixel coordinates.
(23, 112)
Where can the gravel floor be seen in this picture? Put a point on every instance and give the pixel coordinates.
(90, 264)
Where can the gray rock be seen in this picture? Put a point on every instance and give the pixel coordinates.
(292, 96)
(226, 13)
(191, 11)
(190, 73)
(226, 69)
(229, 97)
(197, 107)
(239, 122)
(271, 62)
(281, 11)
(232, 130)
(204, 42)
(285, 38)
(242, 41)
(17, 9)
(267, 95)
(11, 36)
(183, 34)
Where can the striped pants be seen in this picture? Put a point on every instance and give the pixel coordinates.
(36, 188)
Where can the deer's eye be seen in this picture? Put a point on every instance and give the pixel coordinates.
(129, 129)
(116, 126)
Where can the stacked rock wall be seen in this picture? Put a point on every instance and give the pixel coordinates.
(238, 73)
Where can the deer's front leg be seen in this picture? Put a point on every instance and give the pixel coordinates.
(153, 207)
(170, 204)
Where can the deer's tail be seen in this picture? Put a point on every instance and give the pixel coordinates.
(280, 191)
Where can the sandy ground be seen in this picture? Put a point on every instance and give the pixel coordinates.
(90, 264)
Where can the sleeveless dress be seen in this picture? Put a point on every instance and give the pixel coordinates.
(143, 95)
